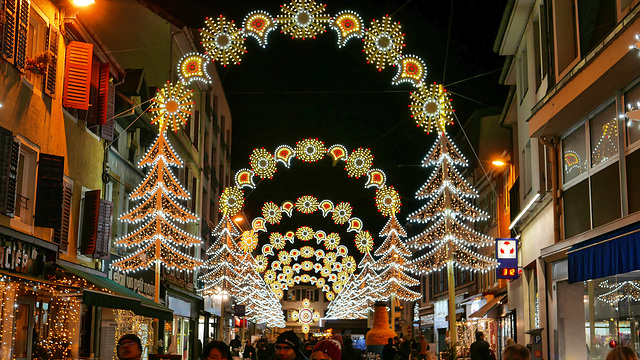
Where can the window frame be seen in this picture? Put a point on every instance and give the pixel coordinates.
(38, 18)
(31, 152)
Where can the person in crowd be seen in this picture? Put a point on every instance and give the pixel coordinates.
(307, 348)
(235, 344)
(423, 348)
(249, 351)
(348, 351)
(389, 351)
(330, 349)
(415, 348)
(265, 350)
(288, 347)
(129, 347)
(216, 350)
(404, 349)
(515, 351)
(480, 350)
(622, 353)
(510, 341)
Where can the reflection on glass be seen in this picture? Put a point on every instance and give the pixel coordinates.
(20, 341)
(604, 135)
(632, 100)
(574, 155)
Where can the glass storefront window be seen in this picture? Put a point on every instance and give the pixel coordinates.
(176, 337)
(21, 335)
(604, 135)
(631, 101)
(574, 159)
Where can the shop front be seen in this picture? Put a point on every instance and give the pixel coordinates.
(181, 332)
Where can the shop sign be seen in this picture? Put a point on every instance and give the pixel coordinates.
(17, 256)
(507, 256)
(142, 282)
(426, 320)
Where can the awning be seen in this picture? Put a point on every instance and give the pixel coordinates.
(487, 307)
(124, 298)
(613, 253)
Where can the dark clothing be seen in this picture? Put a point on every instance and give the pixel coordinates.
(266, 352)
(479, 350)
(249, 352)
(299, 356)
(350, 353)
(235, 344)
(405, 350)
(389, 352)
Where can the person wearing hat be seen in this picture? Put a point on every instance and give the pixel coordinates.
(129, 347)
(288, 347)
(330, 349)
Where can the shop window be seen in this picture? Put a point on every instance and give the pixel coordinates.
(576, 209)
(633, 179)
(632, 101)
(605, 195)
(574, 159)
(604, 135)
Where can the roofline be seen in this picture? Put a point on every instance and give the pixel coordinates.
(506, 15)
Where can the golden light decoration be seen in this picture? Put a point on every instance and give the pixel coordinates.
(332, 241)
(330, 295)
(319, 253)
(341, 213)
(305, 278)
(329, 258)
(337, 287)
(307, 265)
(306, 252)
(249, 241)
(284, 154)
(263, 163)
(279, 293)
(244, 177)
(284, 258)
(223, 41)
(294, 253)
(431, 107)
(310, 150)
(258, 24)
(271, 212)
(305, 233)
(193, 67)
(388, 200)
(349, 264)
(364, 242)
(303, 19)
(269, 276)
(231, 201)
(325, 271)
(173, 104)
(348, 25)
(307, 204)
(383, 42)
(320, 282)
(359, 162)
(343, 277)
(277, 240)
(287, 270)
(411, 69)
(261, 263)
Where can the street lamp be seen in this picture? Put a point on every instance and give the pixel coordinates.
(82, 2)
(499, 162)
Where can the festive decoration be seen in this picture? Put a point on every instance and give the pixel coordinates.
(258, 24)
(249, 241)
(359, 162)
(305, 233)
(342, 212)
(332, 241)
(626, 290)
(306, 315)
(310, 150)
(383, 42)
(263, 163)
(375, 178)
(192, 67)
(431, 107)
(231, 201)
(307, 204)
(223, 41)
(364, 242)
(347, 25)
(172, 104)
(303, 19)
(387, 201)
(271, 212)
(411, 69)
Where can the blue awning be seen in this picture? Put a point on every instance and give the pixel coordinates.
(616, 252)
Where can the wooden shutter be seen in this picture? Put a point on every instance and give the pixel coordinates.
(9, 12)
(90, 215)
(103, 236)
(10, 151)
(22, 30)
(50, 191)
(61, 234)
(196, 128)
(107, 130)
(50, 77)
(77, 75)
(103, 93)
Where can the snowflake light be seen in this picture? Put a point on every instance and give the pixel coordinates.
(307, 204)
(411, 69)
(431, 107)
(277, 240)
(359, 162)
(387, 201)
(172, 105)
(383, 42)
(249, 241)
(332, 241)
(347, 25)
(231, 201)
(271, 212)
(310, 150)
(223, 41)
(305, 233)
(341, 213)
(303, 19)
(263, 163)
(364, 242)
(258, 24)
(193, 67)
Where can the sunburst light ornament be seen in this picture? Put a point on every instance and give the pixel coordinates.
(263, 163)
(431, 107)
(387, 200)
(231, 201)
(173, 104)
(307, 204)
(271, 212)
(310, 150)
(303, 19)
(383, 42)
(249, 241)
(223, 41)
(359, 162)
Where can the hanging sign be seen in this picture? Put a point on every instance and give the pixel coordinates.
(507, 256)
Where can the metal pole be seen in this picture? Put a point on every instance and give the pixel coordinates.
(156, 322)
(452, 300)
(393, 312)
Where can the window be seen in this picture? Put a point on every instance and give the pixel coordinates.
(596, 18)
(523, 73)
(631, 101)
(574, 155)
(37, 32)
(565, 30)
(527, 183)
(604, 135)
(25, 183)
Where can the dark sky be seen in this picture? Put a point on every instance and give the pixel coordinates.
(296, 89)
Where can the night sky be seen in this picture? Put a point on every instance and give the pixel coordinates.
(296, 89)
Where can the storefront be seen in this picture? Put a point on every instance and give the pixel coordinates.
(181, 332)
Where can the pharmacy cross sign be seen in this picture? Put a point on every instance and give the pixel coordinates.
(507, 256)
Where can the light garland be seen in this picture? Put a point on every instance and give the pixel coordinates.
(332, 241)
(258, 24)
(272, 213)
(341, 213)
(193, 67)
(305, 233)
(388, 201)
(383, 42)
(359, 162)
(231, 201)
(348, 25)
(263, 163)
(431, 107)
(411, 69)
(307, 204)
(303, 19)
(629, 289)
(310, 150)
(172, 104)
(223, 41)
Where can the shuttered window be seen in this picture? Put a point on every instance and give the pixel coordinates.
(103, 93)
(89, 230)
(22, 31)
(107, 130)
(103, 235)
(9, 12)
(77, 79)
(61, 234)
(49, 85)
(50, 191)
(9, 157)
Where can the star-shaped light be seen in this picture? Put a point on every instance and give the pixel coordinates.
(231, 201)
(223, 41)
(383, 42)
(172, 105)
(431, 107)
(303, 19)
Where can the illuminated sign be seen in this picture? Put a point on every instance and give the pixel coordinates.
(507, 256)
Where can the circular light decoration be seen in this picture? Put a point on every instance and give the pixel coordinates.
(359, 162)
(193, 67)
(277, 240)
(307, 204)
(223, 41)
(364, 242)
(411, 69)
(347, 25)
(258, 24)
(305, 278)
(285, 259)
(271, 212)
(249, 241)
(431, 107)
(263, 163)
(269, 276)
(305, 233)
(231, 201)
(383, 42)
(307, 265)
(337, 287)
(310, 150)
(261, 263)
(330, 295)
(332, 241)
(341, 213)
(306, 252)
(325, 271)
(349, 264)
(172, 105)
(387, 200)
(343, 277)
(303, 19)
(329, 258)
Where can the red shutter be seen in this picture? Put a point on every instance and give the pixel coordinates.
(103, 244)
(103, 94)
(9, 29)
(22, 30)
(53, 38)
(77, 76)
(90, 222)
(50, 191)
(61, 235)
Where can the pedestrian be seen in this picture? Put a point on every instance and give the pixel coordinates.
(129, 347)
(235, 345)
(415, 348)
(424, 347)
(515, 351)
(622, 353)
(480, 350)
(249, 351)
(288, 347)
(216, 350)
(307, 348)
(330, 349)
(348, 351)
(405, 348)
(389, 351)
